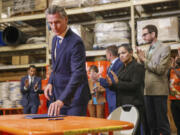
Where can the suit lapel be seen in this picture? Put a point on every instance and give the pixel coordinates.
(114, 65)
(61, 49)
(154, 52)
(148, 56)
(35, 80)
(53, 50)
(156, 49)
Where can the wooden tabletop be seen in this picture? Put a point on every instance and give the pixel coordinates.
(70, 125)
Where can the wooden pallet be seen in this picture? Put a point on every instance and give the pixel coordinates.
(24, 13)
(98, 2)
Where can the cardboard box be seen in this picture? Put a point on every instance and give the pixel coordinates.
(15, 60)
(24, 60)
(28, 6)
(107, 34)
(86, 35)
(66, 3)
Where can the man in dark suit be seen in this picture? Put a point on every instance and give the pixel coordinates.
(30, 89)
(112, 56)
(68, 83)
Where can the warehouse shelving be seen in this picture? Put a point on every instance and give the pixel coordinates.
(22, 47)
(74, 11)
(145, 2)
(76, 14)
(9, 67)
(95, 53)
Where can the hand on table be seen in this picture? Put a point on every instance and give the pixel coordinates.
(55, 107)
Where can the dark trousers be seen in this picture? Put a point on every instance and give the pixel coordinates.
(30, 109)
(175, 109)
(111, 99)
(77, 110)
(138, 129)
(156, 112)
(142, 123)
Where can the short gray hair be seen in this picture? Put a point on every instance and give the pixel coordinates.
(53, 9)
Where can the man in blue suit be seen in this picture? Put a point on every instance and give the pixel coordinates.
(112, 56)
(30, 89)
(68, 84)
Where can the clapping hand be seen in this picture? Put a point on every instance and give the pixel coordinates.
(94, 90)
(172, 62)
(26, 83)
(178, 52)
(36, 86)
(115, 77)
(140, 54)
(108, 79)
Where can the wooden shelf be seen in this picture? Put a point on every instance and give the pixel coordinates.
(9, 67)
(23, 18)
(145, 2)
(95, 53)
(22, 47)
(91, 53)
(96, 8)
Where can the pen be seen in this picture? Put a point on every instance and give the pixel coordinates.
(56, 119)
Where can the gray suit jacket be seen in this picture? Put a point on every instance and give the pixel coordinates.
(157, 65)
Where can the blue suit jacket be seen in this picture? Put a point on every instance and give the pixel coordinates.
(111, 95)
(69, 77)
(29, 96)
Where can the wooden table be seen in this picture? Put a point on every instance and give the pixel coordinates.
(11, 110)
(71, 125)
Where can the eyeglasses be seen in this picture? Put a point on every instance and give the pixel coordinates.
(145, 34)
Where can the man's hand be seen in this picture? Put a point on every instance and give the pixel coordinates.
(36, 86)
(115, 77)
(109, 81)
(55, 107)
(140, 54)
(26, 83)
(178, 52)
(173, 63)
(48, 91)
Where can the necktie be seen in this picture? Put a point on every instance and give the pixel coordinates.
(31, 82)
(58, 42)
(58, 45)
